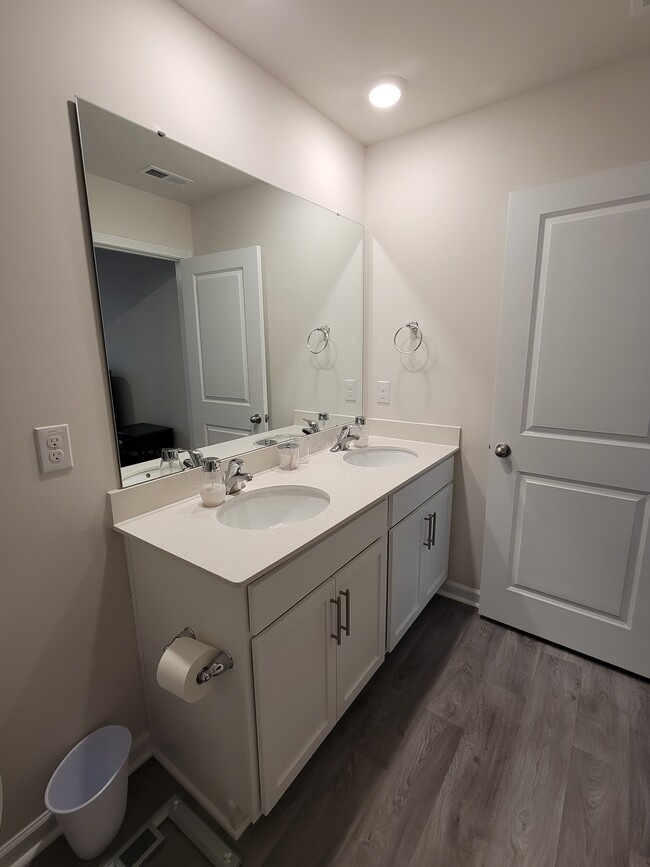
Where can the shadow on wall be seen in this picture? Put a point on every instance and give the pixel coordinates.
(86, 673)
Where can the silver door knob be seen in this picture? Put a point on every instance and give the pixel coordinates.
(503, 450)
(256, 419)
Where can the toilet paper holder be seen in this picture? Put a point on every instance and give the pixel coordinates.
(223, 661)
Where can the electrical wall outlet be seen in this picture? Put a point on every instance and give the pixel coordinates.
(351, 390)
(383, 392)
(53, 444)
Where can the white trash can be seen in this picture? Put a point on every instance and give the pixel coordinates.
(87, 792)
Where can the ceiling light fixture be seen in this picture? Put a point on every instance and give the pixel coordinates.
(386, 91)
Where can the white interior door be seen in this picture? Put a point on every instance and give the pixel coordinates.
(223, 327)
(566, 554)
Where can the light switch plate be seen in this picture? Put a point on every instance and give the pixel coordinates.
(53, 445)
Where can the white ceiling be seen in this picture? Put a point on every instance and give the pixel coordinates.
(457, 55)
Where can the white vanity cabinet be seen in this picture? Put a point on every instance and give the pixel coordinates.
(418, 546)
(305, 612)
(311, 663)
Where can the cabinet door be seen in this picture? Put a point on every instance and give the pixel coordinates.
(294, 662)
(434, 550)
(361, 589)
(405, 542)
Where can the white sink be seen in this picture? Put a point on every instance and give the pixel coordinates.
(379, 456)
(273, 507)
(138, 476)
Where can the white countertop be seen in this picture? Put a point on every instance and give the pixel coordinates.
(190, 531)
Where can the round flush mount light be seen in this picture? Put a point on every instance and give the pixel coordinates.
(386, 91)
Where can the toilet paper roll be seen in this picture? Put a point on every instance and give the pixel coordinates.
(179, 666)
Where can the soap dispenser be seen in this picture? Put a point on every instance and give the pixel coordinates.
(170, 462)
(360, 424)
(213, 484)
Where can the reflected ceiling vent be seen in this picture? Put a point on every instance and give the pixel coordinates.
(163, 175)
(639, 7)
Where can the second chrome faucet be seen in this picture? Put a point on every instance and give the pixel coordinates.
(236, 478)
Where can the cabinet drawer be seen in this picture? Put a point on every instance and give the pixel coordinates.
(274, 593)
(417, 492)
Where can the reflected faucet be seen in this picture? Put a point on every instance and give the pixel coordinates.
(235, 478)
(344, 439)
(195, 459)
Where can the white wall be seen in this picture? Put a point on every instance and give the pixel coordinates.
(312, 273)
(436, 211)
(69, 661)
(126, 212)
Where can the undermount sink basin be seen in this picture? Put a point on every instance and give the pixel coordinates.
(379, 456)
(273, 507)
(138, 476)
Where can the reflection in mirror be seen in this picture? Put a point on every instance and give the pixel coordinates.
(232, 310)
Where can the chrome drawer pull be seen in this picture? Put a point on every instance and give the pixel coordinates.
(431, 535)
(346, 593)
(337, 635)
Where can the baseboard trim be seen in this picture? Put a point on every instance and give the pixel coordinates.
(26, 844)
(460, 592)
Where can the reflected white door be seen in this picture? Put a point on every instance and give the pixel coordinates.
(566, 554)
(223, 330)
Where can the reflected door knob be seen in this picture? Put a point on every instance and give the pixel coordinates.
(503, 450)
(256, 419)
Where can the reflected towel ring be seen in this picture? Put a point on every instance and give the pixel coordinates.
(415, 331)
(326, 339)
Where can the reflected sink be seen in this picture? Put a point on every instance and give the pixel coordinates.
(379, 456)
(273, 507)
(140, 476)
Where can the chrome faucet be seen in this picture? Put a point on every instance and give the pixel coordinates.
(194, 459)
(235, 477)
(312, 425)
(344, 439)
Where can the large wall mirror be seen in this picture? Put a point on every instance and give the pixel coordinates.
(231, 309)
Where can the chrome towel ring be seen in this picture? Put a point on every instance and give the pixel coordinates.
(416, 331)
(325, 329)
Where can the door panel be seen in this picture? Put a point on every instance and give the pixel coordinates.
(566, 552)
(362, 651)
(405, 540)
(434, 560)
(223, 344)
(295, 690)
(589, 372)
(598, 575)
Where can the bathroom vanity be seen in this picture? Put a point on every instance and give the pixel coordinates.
(307, 610)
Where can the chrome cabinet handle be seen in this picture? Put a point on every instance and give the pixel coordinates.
(431, 535)
(337, 635)
(427, 543)
(346, 593)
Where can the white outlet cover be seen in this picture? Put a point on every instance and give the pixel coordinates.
(383, 391)
(350, 390)
(53, 446)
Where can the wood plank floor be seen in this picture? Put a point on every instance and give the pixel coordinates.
(473, 746)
